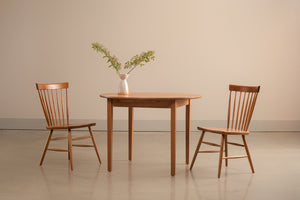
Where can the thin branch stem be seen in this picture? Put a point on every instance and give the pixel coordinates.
(131, 69)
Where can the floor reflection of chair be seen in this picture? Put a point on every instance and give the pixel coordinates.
(70, 182)
(228, 190)
(223, 190)
(51, 183)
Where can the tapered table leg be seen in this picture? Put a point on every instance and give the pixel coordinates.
(130, 132)
(187, 132)
(109, 134)
(173, 137)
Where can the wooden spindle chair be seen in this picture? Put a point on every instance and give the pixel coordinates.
(54, 100)
(242, 100)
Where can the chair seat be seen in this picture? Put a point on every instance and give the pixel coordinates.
(227, 131)
(72, 126)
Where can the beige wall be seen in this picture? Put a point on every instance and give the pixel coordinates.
(201, 47)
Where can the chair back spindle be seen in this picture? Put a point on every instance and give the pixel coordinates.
(242, 100)
(54, 100)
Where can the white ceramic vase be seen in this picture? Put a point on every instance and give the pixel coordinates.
(123, 87)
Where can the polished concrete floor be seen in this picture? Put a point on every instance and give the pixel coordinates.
(276, 157)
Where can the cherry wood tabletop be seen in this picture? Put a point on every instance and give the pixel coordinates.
(150, 95)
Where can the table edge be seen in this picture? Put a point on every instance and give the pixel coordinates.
(116, 96)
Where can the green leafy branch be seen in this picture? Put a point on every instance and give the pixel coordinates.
(137, 60)
(110, 59)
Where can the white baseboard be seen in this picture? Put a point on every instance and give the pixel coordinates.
(155, 125)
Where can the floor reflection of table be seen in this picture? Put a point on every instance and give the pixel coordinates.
(149, 100)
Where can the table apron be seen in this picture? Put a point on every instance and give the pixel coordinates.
(164, 103)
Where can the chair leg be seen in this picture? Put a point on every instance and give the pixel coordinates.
(46, 147)
(95, 146)
(70, 147)
(226, 150)
(248, 153)
(197, 149)
(221, 155)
